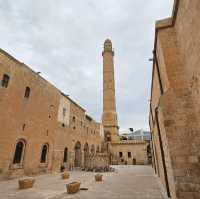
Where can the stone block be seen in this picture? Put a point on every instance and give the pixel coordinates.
(73, 187)
(65, 175)
(26, 183)
(98, 177)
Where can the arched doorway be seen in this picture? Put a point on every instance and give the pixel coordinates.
(44, 153)
(98, 149)
(134, 161)
(77, 149)
(86, 153)
(92, 149)
(65, 157)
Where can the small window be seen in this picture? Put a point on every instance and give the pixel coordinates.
(27, 92)
(73, 119)
(129, 154)
(65, 155)
(120, 154)
(19, 151)
(23, 127)
(64, 112)
(43, 157)
(5, 81)
(51, 110)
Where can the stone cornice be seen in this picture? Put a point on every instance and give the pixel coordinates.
(125, 142)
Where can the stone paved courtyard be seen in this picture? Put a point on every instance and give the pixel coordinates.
(127, 182)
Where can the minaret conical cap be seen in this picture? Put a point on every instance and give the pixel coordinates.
(107, 41)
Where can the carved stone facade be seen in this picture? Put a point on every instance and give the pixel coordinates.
(174, 108)
(41, 129)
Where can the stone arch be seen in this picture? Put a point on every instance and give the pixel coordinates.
(98, 149)
(107, 136)
(77, 150)
(65, 155)
(27, 92)
(44, 153)
(92, 149)
(86, 147)
(86, 153)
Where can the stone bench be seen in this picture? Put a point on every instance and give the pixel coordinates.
(65, 175)
(26, 183)
(98, 177)
(73, 187)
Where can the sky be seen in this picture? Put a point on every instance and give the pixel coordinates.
(63, 39)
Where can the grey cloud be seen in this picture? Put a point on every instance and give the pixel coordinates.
(64, 39)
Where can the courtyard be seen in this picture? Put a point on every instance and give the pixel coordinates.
(127, 182)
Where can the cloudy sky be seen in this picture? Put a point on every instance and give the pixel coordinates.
(63, 39)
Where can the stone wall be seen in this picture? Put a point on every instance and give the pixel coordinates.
(133, 152)
(174, 110)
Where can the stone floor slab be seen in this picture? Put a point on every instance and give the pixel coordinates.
(127, 182)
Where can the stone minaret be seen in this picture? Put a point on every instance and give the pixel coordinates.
(109, 117)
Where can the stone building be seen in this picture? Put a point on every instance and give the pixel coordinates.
(41, 128)
(129, 152)
(174, 107)
(121, 151)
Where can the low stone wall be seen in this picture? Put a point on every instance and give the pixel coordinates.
(97, 162)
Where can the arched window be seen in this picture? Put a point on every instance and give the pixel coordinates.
(43, 157)
(27, 92)
(5, 81)
(65, 155)
(107, 137)
(19, 152)
(93, 149)
(98, 149)
(64, 112)
(51, 110)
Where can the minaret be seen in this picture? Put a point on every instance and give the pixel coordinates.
(109, 117)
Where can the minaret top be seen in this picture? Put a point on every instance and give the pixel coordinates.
(107, 41)
(108, 46)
